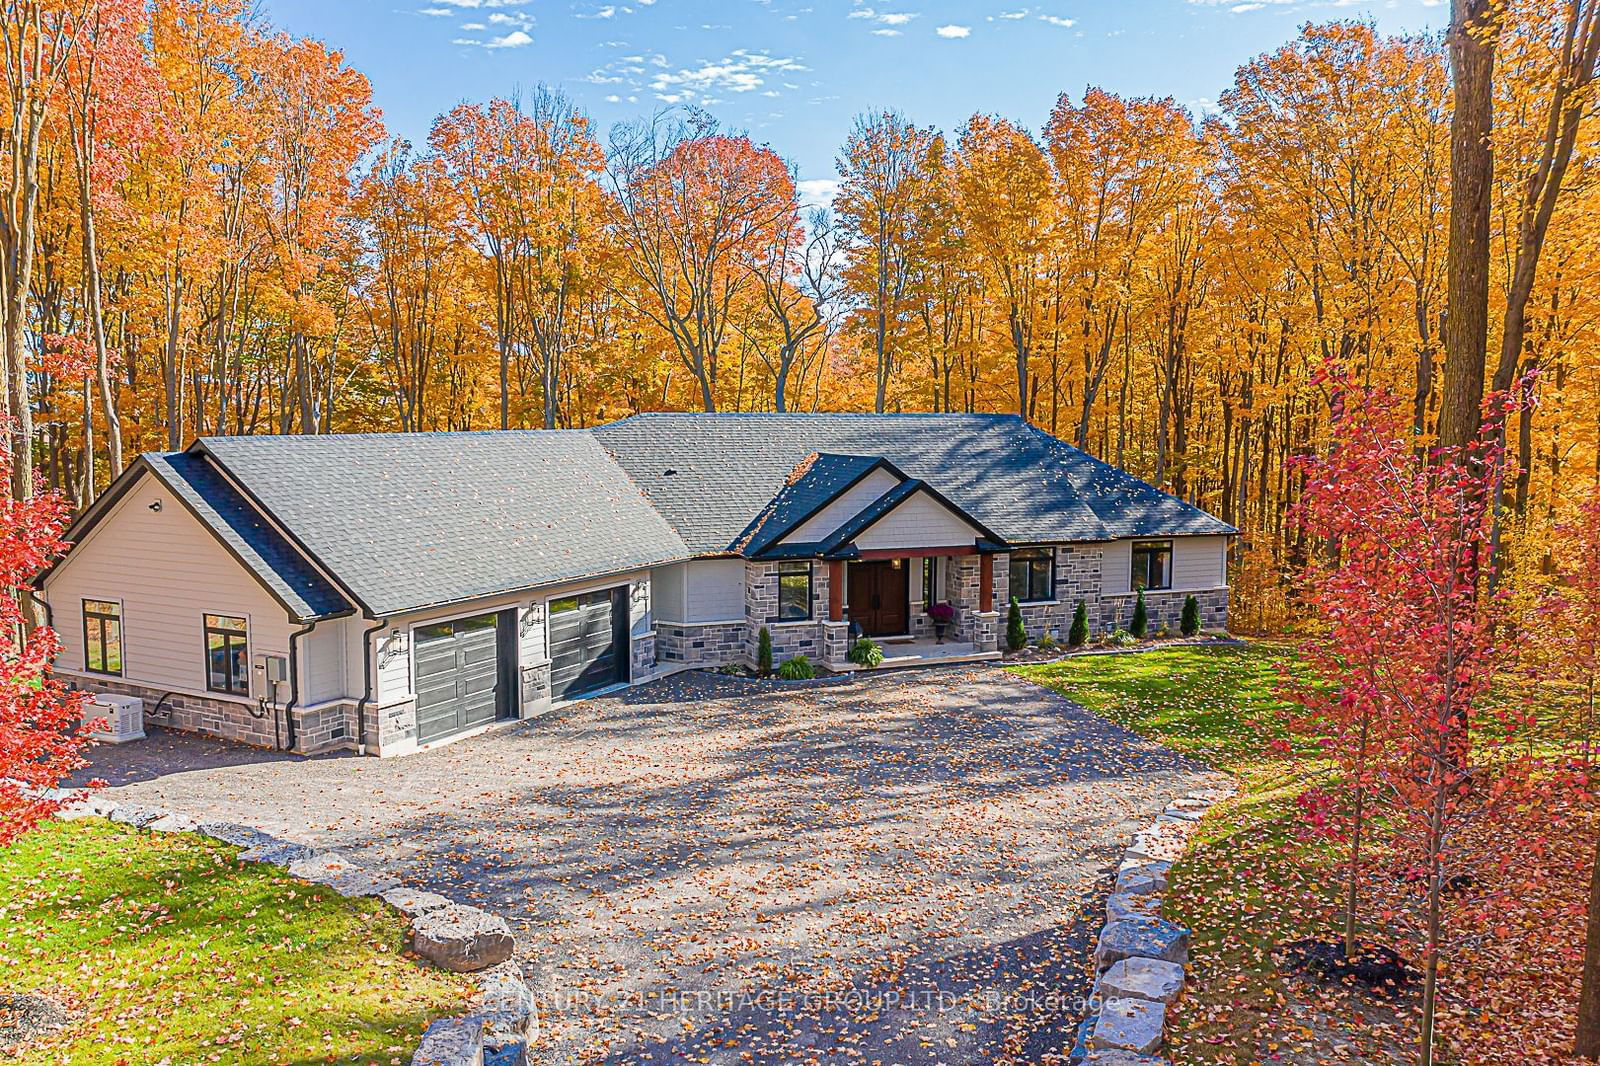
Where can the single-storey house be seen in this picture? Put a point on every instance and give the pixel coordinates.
(394, 591)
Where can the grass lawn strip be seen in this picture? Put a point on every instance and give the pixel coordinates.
(171, 949)
(1247, 882)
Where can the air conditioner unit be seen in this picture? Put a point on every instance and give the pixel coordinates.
(124, 717)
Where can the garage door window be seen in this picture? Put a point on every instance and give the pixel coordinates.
(227, 655)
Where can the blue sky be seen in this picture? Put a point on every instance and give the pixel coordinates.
(794, 73)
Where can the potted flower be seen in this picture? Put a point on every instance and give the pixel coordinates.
(941, 614)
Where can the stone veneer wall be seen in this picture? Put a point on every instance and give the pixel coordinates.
(761, 609)
(643, 661)
(226, 719)
(1164, 609)
(700, 643)
(325, 728)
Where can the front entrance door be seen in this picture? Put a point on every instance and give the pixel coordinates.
(880, 597)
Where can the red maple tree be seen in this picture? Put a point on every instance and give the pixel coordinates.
(42, 735)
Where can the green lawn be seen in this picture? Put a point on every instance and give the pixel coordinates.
(174, 951)
(1248, 881)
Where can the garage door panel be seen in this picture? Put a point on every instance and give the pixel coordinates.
(584, 643)
(457, 674)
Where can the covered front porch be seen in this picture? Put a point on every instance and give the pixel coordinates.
(894, 596)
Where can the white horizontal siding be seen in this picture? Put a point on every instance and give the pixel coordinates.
(666, 585)
(713, 590)
(1199, 562)
(1116, 566)
(322, 659)
(168, 571)
(919, 522)
(847, 505)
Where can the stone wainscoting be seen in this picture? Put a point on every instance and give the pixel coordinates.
(1164, 610)
(700, 643)
(226, 719)
(325, 728)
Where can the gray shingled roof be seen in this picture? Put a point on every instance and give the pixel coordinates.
(711, 475)
(240, 527)
(413, 520)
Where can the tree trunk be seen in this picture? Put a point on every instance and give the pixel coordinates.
(1466, 326)
(1588, 1044)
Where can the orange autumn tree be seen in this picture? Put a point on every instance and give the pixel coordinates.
(695, 208)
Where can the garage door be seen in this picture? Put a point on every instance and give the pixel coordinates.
(457, 671)
(588, 642)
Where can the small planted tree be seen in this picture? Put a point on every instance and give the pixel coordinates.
(1141, 617)
(1016, 632)
(1078, 635)
(1408, 649)
(1189, 625)
(764, 652)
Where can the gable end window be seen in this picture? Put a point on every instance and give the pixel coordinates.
(794, 591)
(1033, 574)
(102, 636)
(227, 655)
(1152, 565)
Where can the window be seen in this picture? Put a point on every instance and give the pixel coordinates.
(1152, 565)
(794, 591)
(930, 572)
(1033, 574)
(102, 636)
(227, 655)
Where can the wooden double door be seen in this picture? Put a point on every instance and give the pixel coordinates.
(880, 597)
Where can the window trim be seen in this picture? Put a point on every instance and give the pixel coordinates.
(1165, 548)
(792, 566)
(206, 631)
(1032, 555)
(122, 662)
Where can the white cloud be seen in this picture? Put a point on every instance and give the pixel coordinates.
(1011, 16)
(817, 192)
(741, 71)
(1057, 20)
(954, 32)
(885, 33)
(884, 18)
(514, 39)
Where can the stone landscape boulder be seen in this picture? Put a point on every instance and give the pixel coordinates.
(1128, 1025)
(1141, 978)
(451, 1042)
(1151, 938)
(463, 939)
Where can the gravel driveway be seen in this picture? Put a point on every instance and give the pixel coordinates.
(904, 868)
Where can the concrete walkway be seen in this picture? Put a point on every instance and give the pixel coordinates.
(903, 867)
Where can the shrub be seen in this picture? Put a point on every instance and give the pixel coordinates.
(1141, 618)
(764, 652)
(865, 652)
(1048, 643)
(1121, 638)
(1079, 633)
(1016, 634)
(1191, 616)
(797, 669)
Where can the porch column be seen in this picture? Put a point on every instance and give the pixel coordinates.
(986, 582)
(835, 590)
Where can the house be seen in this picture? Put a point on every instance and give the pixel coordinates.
(394, 591)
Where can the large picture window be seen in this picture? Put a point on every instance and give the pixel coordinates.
(102, 636)
(227, 655)
(1033, 574)
(794, 591)
(1152, 565)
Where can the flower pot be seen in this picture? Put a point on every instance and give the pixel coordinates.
(938, 632)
